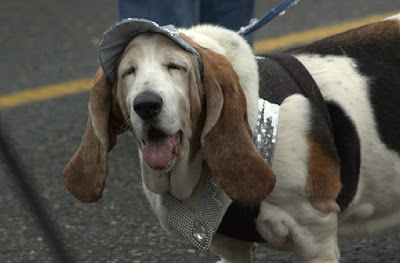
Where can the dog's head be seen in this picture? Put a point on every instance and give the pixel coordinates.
(178, 116)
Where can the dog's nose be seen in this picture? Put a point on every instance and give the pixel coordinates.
(147, 105)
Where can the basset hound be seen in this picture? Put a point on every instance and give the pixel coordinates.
(195, 99)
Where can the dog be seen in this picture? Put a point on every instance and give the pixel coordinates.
(190, 97)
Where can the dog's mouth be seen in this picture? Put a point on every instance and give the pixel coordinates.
(161, 150)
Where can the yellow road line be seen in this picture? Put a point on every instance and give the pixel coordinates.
(73, 87)
(313, 34)
(44, 93)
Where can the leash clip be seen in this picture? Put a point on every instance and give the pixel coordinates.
(243, 29)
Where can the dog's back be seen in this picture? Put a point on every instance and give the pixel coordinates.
(358, 73)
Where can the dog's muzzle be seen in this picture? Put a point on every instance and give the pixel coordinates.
(160, 150)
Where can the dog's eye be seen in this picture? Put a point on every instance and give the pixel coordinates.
(128, 72)
(172, 66)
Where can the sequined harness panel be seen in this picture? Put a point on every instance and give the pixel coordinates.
(264, 137)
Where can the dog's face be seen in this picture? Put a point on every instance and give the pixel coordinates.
(154, 77)
(179, 120)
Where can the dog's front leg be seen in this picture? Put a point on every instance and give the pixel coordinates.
(310, 234)
(231, 250)
(301, 212)
(321, 247)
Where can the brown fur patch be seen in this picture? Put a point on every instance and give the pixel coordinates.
(323, 181)
(226, 135)
(197, 108)
(367, 39)
(375, 32)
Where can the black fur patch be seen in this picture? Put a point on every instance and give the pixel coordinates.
(282, 75)
(347, 145)
(376, 51)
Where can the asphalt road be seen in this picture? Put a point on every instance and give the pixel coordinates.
(45, 42)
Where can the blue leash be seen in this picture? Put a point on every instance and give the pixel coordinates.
(277, 10)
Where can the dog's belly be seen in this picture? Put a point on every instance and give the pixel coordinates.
(376, 201)
(375, 206)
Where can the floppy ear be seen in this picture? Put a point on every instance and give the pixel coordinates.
(226, 138)
(86, 172)
(197, 109)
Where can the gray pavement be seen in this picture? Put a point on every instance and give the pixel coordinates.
(46, 42)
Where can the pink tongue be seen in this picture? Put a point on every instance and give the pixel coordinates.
(160, 150)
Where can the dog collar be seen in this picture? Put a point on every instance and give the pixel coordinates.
(198, 225)
(117, 38)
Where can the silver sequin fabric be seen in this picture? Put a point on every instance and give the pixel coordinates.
(199, 225)
(264, 137)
